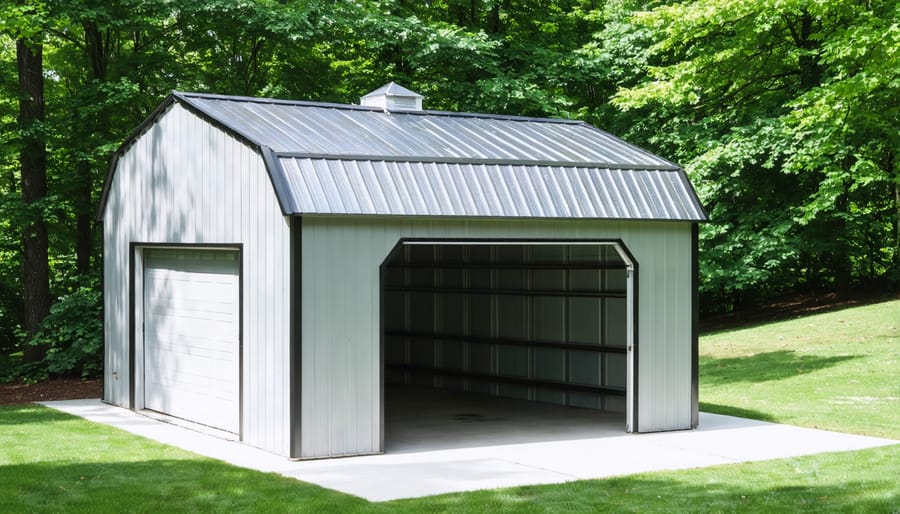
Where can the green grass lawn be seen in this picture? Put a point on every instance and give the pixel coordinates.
(53, 462)
(837, 371)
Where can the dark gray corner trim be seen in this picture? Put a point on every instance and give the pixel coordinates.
(295, 346)
(132, 248)
(693, 192)
(286, 200)
(635, 333)
(239, 248)
(695, 325)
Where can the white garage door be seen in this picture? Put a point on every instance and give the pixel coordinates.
(192, 335)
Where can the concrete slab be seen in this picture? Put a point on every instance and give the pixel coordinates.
(420, 419)
(413, 467)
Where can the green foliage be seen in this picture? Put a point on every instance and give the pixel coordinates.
(73, 334)
(785, 115)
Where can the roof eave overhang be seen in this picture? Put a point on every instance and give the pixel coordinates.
(312, 214)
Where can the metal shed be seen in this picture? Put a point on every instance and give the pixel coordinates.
(269, 265)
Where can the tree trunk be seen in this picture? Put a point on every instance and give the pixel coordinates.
(808, 66)
(33, 159)
(95, 52)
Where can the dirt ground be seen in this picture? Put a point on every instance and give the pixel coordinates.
(53, 389)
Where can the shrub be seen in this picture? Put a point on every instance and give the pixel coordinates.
(73, 336)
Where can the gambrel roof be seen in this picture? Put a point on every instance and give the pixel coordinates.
(341, 159)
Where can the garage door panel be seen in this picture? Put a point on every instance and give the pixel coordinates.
(202, 407)
(172, 327)
(175, 357)
(196, 347)
(215, 387)
(212, 387)
(196, 309)
(192, 335)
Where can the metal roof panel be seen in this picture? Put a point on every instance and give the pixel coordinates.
(348, 159)
(330, 130)
(348, 187)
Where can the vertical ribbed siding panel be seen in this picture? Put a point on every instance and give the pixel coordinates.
(186, 182)
(116, 295)
(664, 326)
(680, 317)
(340, 392)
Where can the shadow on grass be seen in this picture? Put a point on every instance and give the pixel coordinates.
(189, 485)
(807, 484)
(29, 413)
(813, 484)
(736, 411)
(764, 367)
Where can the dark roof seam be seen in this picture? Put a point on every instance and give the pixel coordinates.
(475, 160)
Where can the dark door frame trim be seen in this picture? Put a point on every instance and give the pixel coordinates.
(617, 242)
(133, 248)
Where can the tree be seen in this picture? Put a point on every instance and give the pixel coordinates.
(785, 114)
(33, 170)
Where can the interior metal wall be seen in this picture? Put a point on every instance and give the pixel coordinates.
(537, 316)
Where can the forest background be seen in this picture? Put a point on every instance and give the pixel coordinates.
(785, 114)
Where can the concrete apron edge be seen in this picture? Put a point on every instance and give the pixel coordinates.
(409, 475)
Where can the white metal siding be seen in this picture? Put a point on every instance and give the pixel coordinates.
(185, 181)
(340, 392)
(191, 338)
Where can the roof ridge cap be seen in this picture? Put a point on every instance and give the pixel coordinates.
(187, 96)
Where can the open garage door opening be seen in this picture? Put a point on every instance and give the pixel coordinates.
(501, 342)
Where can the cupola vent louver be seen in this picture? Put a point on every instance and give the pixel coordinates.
(393, 97)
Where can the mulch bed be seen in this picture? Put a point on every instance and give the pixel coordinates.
(53, 389)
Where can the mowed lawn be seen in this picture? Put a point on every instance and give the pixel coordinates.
(52, 462)
(838, 371)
